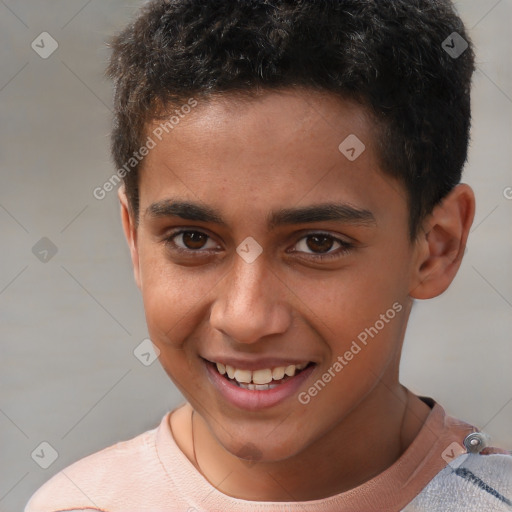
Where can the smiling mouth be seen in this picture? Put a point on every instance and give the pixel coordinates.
(259, 380)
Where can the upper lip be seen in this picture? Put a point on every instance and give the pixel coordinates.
(255, 364)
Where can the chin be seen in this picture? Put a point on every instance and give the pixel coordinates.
(263, 451)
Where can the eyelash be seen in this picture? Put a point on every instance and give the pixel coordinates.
(341, 251)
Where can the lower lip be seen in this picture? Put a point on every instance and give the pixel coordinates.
(253, 400)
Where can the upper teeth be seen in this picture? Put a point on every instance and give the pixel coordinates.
(259, 376)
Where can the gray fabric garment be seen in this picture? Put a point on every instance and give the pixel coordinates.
(471, 483)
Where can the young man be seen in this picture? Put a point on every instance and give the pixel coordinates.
(291, 184)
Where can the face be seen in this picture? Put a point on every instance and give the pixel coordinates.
(261, 245)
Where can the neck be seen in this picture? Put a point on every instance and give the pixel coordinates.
(370, 439)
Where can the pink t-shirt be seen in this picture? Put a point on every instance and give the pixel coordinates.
(151, 473)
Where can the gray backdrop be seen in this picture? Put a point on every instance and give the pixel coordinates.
(70, 321)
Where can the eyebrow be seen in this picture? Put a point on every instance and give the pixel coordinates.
(341, 212)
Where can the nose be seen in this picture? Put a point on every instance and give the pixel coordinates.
(250, 302)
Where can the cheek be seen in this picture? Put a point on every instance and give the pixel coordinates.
(175, 298)
(170, 304)
(353, 299)
(363, 336)
(361, 315)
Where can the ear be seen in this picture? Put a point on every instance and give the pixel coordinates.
(441, 243)
(130, 232)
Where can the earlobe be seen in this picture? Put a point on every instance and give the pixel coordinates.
(440, 245)
(130, 232)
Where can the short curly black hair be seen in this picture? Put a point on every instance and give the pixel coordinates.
(391, 56)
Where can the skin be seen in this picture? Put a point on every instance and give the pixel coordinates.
(246, 158)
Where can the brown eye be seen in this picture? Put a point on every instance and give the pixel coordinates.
(194, 239)
(322, 246)
(319, 243)
(190, 241)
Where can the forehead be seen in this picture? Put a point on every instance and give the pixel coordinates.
(269, 120)
(279, 149)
